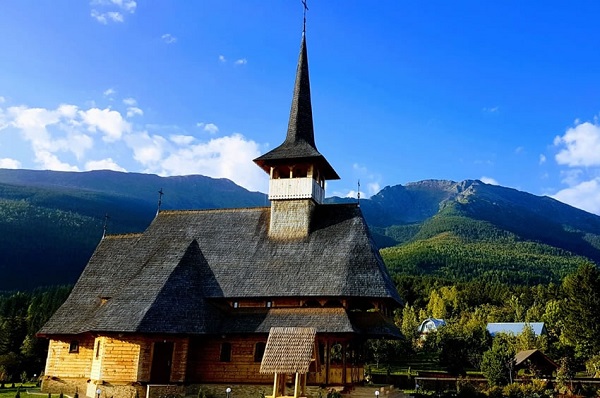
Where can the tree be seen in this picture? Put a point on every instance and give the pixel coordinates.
(410, 323)
(580, 310)
(497, 363)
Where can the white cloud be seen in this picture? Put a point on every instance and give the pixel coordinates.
(63, 138)
(2, 99)
(585, 195)
(211, 128)
(370, 183)
(242, 61)
(519, 150)
(489, 180)
(49, 132)
(105, 11)
(8, 163)
(223, 157)
(130, 101)
(493, 109)
(103, 164)
(352, 194)
(134, 111)
(109, 92)
(222, 58)
(542, 159)
(106, 17)
(109, 122)
(168, 38)
(580, 146)
(182, 139)
(147, 149)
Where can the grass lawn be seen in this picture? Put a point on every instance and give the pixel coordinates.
(9, 392)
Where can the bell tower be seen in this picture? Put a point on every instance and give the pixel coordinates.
(297, 171)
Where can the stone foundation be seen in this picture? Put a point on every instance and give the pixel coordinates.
(107, 390)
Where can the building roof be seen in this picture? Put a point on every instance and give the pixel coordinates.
(430, 325)
(299, 145)
(538, 358)
(171, 278)
(288, 350)
(515, 328)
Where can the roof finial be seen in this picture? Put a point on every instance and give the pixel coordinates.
(106, 217)
(358, 193)
(160, 195)
(305, 9)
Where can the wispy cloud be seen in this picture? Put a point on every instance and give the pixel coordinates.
(106, 11)
(168, 38)
(494, 109)
(210, 128)
(367, 183)
(109, 92)
(222, 59)
(242, 61)
(489, 180)
(542, 159)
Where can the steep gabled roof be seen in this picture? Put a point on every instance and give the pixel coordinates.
(299, 145)
(166, 279)
(288, 350)
(538, 358)
(125, 289)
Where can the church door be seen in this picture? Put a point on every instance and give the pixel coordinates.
(162, 359)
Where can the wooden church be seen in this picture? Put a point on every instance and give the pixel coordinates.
(192, 299)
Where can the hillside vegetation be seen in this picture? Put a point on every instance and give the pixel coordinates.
(50, 223)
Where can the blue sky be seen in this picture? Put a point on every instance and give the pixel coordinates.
(503, 91)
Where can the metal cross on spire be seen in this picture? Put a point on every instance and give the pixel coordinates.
(106, 218)
(160, 195)
(305, 9)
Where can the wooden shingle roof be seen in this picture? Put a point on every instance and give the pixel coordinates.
(288, 350)
(167, 279)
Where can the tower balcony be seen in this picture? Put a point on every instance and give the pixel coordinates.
(296, 188)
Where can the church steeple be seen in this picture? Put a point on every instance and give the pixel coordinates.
(300, 125)
(296, 169)
(299, 146)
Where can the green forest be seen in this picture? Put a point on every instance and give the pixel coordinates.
(22, 314)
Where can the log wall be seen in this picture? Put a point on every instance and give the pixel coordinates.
(205, 365)
(62, 363)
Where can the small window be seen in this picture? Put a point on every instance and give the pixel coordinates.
(236, 304)
(259, 351)
(225, 352)
(269, 304)
(98, 349)
(74, 346)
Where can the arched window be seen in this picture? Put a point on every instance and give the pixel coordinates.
(259, 351)
(225, 352)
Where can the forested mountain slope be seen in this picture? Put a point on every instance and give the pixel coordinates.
(470, 230)
(50, 223)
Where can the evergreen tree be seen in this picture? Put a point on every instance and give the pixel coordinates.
(580, 311)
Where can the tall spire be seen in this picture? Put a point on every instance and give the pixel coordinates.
(299, 144)
(300, 125)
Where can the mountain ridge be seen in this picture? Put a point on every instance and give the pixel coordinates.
(59, 217)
